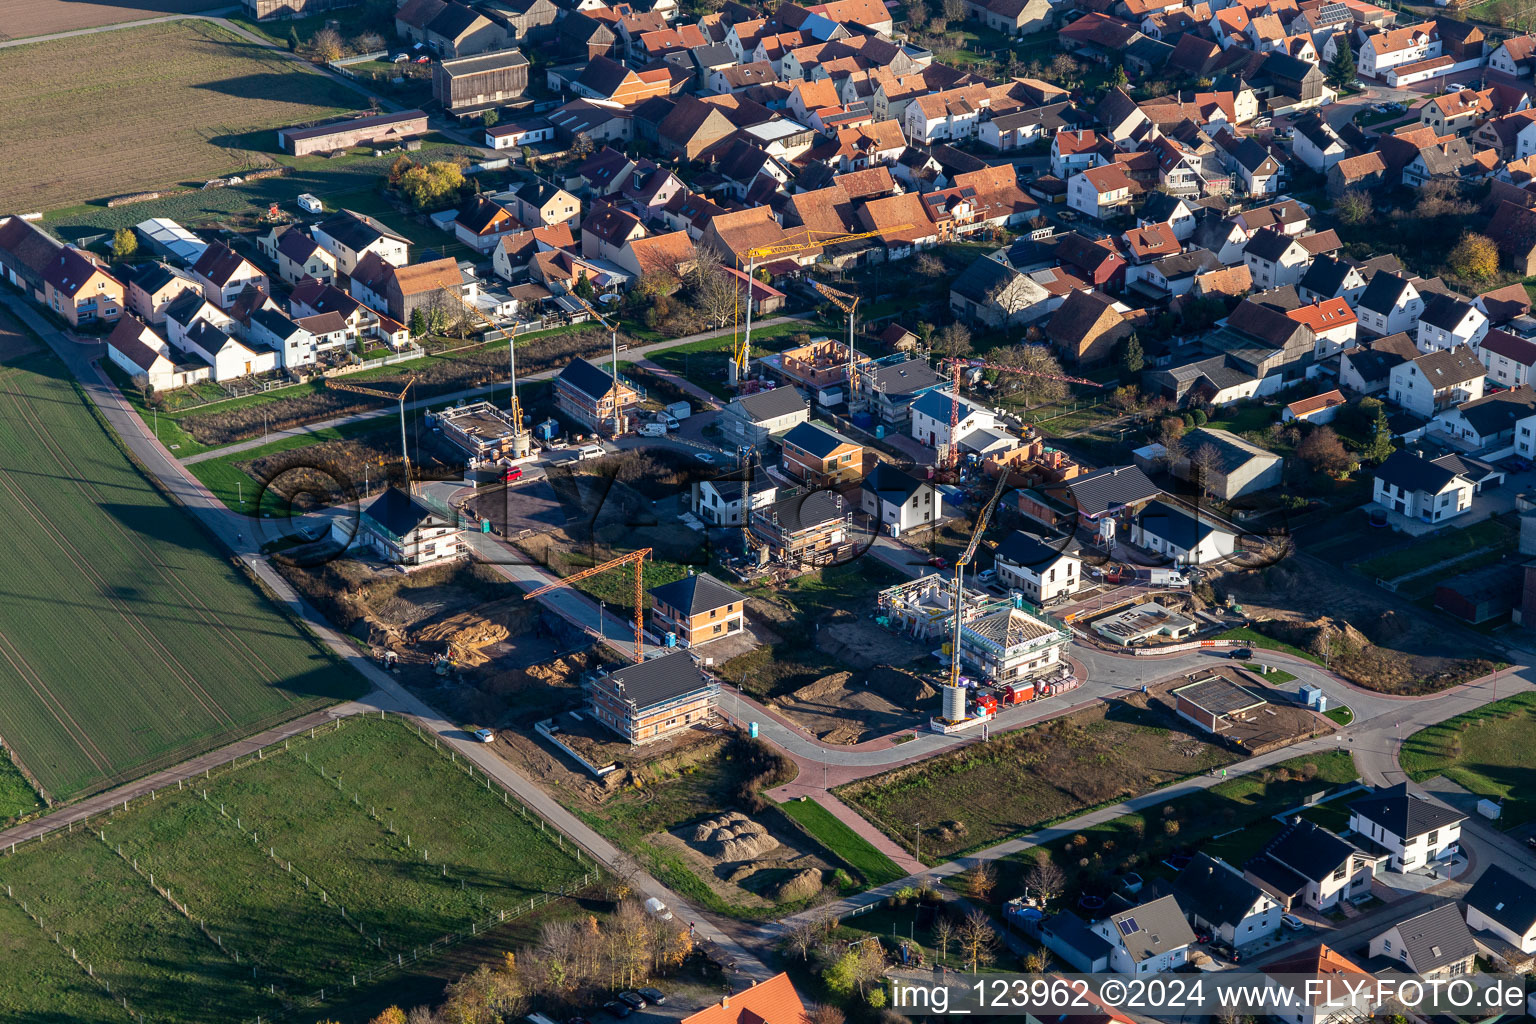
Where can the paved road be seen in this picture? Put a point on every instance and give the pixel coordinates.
(634, 354)
(388, 694)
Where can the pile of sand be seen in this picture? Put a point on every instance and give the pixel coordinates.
(733, 836)
(801, 885)
(900, 688)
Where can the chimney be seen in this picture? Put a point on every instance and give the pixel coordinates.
(725, 1002)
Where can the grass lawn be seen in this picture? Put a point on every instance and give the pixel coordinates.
(1241, 417)
(1423, 552)
(1253, 638)
(1274, 677)
(1341, 714)
(1238, 811)
(980, 795)
(17, 797)
(1487, 751)
(169, 649)
(872, 865)
(232, 483)
(329, 861)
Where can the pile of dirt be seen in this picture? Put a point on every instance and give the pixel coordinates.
(803, 884)
(901, 688)
(733, 836)
(863, 644)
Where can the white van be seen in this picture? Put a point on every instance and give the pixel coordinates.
(657, 909)
(591, 451)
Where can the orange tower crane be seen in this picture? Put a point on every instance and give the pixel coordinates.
(952, 451)
(638, 558)
(405, 456)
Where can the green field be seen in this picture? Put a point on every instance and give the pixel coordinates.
(275, 885)
(875, 867)
(129, 641)
(1487, 751)
(17, 797)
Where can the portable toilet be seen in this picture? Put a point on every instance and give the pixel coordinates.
(485, 526)
(880, 432)
(1322, 703)
(752, 729)
(671, 639)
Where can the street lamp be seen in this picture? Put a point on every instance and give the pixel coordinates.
(600, 634)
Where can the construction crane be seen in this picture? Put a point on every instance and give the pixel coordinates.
(744, 457)
(848, 304)
(359, 389)
(952, 450)
(813, 240)
(982, 519)
(521, 444)
(613, 336)
(638, 558)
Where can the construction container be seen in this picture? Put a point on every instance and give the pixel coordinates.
(988, 703)
(547, 430)
(1018, 693)
(863, 420)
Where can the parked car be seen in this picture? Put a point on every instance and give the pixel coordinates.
(1531, 842)
(591, 451)
(485, 736)
(655, 995)
(400, 58)
(1356, 84)
(1456, 87)
(1240, 654)
(634, 999)
(986, 575)
(704, 457)
(1292, 922)
(938, 562)
(514, 474)
(423, 59)
(1263, 122)
(617, 1009)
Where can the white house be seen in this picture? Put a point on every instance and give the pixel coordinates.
(1275, 259)
(1514, 56)
(1217, 898)
(719, 502)
(1389, 304)
(1100, 192)
(1039, 568)
(401, 530)
(1395, 47)
(145, 356)
(1147, 939)
(1310, 864)
(1317, 145)
(930, 418)
(295, 346)
(898, 501)
(1436, 381)
(1434, 944)
(1489, 423)
(350, 236)
(1501, 903)
(1074, 151)
(1430, 490)
(229, 357)
(1416, 830)
(1448, 321)
(188, 308)
(1189, 538)
(1507, 357)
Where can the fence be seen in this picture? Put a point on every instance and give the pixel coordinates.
(1147, 652)
(399, 961)
(409, 351)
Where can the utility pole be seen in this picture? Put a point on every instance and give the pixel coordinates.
(917, 843)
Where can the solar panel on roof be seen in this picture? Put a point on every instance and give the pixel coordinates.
(1128, 926)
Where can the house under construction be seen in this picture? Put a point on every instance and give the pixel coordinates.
(822, 364)
(924, 608)
(1009, 644)
(482, 431)
(803, 530)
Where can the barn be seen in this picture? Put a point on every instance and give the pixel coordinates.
(481, 81)
(366, 130)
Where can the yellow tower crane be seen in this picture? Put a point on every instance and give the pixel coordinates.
(521, 441)
(848, 304)
(638, 558)
(812, 239)
(982, 519)
(405, 457)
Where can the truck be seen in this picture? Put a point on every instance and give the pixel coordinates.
(679, 410)
(653, 428)
(1166, 578)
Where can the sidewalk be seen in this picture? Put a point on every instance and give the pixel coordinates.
(636, 354)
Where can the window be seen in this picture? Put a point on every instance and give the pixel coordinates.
(1387, 945)
(1433, 837)
(1339, 873)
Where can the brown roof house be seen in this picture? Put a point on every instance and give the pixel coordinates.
(1087, 327)
(154, 286)
(80, 291)
(1011, 17)
(435, 287)
(1513, 229)
(25, 254)
(698, 608)
(224, 274)
(296, 254)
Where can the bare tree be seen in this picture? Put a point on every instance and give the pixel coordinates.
(978, 941)
(1204, 465)
(1045, 879)
(1036, 366)
(803, 936)
(327, 44)
(711, 287)
(1170, 435)
(954, 340)
(943, 935)
(954, 10)
(824, 1013)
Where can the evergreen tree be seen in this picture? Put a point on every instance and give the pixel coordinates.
(1133, 358)
(1380, 446)
(293, 40)
(418, 322)
(1117, 76)
(1341, 70)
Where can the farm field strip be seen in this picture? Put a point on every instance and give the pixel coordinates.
(177, 841)
(22, 19)
(188, 101)
(129, 639)
(131, 937)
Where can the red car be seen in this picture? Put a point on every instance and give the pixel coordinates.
(514, 474)
(423, 59)
(938, 562)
